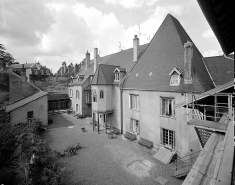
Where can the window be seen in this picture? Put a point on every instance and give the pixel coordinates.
(134, 126)
(117, 76)
(175, 80)
(77, 94)
(101, 94)
(77, 108)
(168, 138)
(167, 107)
(47, 71)
(71, 92)
(42, 72)
(94, 96)
(30, 115)
(134, 101)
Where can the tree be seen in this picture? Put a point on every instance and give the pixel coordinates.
(5, 57)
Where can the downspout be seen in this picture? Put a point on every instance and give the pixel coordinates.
(121, 108)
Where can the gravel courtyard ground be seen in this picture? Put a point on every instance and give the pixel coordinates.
(104, 161)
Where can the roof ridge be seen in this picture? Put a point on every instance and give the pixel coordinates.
(109, 65)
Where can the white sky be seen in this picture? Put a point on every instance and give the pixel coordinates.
(53, 31)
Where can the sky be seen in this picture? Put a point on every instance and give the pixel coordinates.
(53, 31)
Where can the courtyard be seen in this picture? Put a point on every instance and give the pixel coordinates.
(104, 161)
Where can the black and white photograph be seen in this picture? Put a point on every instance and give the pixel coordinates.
(117, 92)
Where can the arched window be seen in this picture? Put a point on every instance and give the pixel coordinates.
(77, 94)
(94, 96)
(101, 94)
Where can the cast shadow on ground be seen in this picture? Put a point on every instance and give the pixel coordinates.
(60, 121)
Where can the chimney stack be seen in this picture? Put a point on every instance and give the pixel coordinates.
(23, 74)
(76, 68)
(87, 60)
(95, 59)
(188, 55)
(135, 48)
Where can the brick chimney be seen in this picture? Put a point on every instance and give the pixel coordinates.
(23, 74)
(188, 55)
(95, 59)
(76, 68)
(135, 48)
(64, 67)
(87, 60)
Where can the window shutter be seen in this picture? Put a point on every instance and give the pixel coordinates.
(161, 135)
(161, 113)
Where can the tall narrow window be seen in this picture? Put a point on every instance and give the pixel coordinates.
(77, 94)
(168, 138)
(94, 96)
(134, 101)
(101, 94)
(117, 76)
(167, 107)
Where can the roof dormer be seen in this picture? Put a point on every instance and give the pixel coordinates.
(119, 74)
(175, 77)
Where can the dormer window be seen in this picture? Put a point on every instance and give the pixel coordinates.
(117, 76)
(175, 77)
(119, 73)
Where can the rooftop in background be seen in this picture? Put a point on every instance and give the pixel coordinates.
(220, 16)
(57, 89)
(123, 59)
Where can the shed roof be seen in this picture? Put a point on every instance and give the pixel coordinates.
(164, 53)
(25, 101)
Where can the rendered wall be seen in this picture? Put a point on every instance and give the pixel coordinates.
(39, 108)
(151, 121)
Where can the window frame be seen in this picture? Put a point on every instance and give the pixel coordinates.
(101, 94)
(168, 140)
(94, 96)
(117, 76)
(71, 92)
(137, 104)
(173, 79)
(167, 114)
(77, 94)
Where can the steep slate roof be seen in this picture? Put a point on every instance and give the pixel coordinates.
(104, 75)
(164, 53)
(220, 68)
(123, 59)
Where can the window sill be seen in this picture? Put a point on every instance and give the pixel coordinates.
(165, 116)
